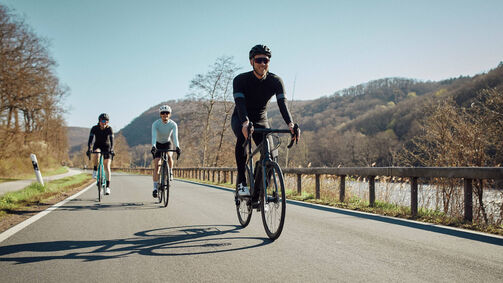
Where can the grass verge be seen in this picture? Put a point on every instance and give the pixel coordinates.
(51, 172)
(19, 205)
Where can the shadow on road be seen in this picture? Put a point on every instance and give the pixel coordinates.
(172, 241)
(73, 206)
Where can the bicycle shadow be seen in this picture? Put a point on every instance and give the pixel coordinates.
(171, 241)
(114, 206)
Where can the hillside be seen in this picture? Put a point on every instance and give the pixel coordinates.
(382, 114)
(77, 136)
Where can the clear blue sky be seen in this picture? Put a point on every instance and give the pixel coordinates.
(123, 56)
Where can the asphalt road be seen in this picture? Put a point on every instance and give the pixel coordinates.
(130, 238)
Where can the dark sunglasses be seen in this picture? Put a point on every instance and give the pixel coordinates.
(104, 121)
(164, 113)
(261, 60)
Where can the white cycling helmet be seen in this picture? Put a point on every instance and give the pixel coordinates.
(165, 108)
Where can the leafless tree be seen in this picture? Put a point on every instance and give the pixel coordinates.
(212, 88)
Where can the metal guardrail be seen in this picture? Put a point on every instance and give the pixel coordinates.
(468, 174)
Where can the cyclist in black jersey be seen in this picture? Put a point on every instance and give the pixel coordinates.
(252, 92)
(104, 142)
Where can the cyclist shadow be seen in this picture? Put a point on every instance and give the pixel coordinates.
(172, 241)
(116, 206)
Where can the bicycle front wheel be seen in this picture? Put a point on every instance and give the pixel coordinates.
(165, 191)
(273, 200)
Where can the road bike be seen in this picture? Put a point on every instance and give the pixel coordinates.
(101, 178)
(164, 181)
(266, 179)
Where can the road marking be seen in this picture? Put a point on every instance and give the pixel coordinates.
(11, 231)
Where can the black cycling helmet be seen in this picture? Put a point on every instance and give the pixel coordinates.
(260, 49)
(103, 116)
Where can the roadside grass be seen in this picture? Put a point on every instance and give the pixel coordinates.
(331, 198)
(36, 194)
(50, 172)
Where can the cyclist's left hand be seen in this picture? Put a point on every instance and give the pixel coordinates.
(178, 152)
(294, 128)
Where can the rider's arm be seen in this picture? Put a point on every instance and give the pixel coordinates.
(111, 139)
(175, 135)
(154, 133)
(281, 99)
(239, 99)
(91, 137)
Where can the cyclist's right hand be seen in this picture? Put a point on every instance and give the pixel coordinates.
(153, 150)
(247, 129)
(88, 153)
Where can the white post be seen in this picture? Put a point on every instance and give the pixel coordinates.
(35, 167)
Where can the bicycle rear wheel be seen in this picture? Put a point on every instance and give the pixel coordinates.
(273, 201)
(244, 210)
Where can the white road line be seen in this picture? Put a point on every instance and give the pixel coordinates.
(20, 226)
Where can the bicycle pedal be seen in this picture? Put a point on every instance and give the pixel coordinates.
(256, 205)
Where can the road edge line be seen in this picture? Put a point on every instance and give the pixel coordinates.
(20, 226)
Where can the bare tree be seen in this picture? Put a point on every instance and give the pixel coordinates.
(30, 110)
(210, 89)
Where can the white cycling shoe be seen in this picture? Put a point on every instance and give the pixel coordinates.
(94, 174)
(243, 191)
(107, 191)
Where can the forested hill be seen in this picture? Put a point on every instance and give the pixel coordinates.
(384, 113)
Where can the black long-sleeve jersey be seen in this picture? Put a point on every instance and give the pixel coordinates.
(252, 96)
(104, 137)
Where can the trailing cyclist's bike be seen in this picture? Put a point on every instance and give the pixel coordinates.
(267, 178)
(164, 180)
(101, 178)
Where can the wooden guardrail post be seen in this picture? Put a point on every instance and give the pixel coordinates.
(299, 184)
(468, 186)
(232, 177)
(317, 186)
(372, 191)
(342, 188)
(413, 196)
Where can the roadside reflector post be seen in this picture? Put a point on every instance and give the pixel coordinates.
(35, 167)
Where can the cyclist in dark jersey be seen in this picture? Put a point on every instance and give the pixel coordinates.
(252, 92)
(103, 142)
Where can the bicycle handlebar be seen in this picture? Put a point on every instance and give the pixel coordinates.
(268, 131)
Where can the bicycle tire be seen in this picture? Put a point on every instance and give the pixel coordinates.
(100, 179)
(244, 210)
(161, 183)
(273, 203)
(165, 190)
(243, 206)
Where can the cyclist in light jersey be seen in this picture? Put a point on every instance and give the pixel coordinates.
(163, 131)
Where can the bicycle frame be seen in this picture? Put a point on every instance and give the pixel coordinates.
(164, 182)
(264, 148)
(101, 176)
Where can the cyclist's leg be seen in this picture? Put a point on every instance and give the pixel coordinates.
(239, 151)
(94, 161)
(170, 163)
(257, 139)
